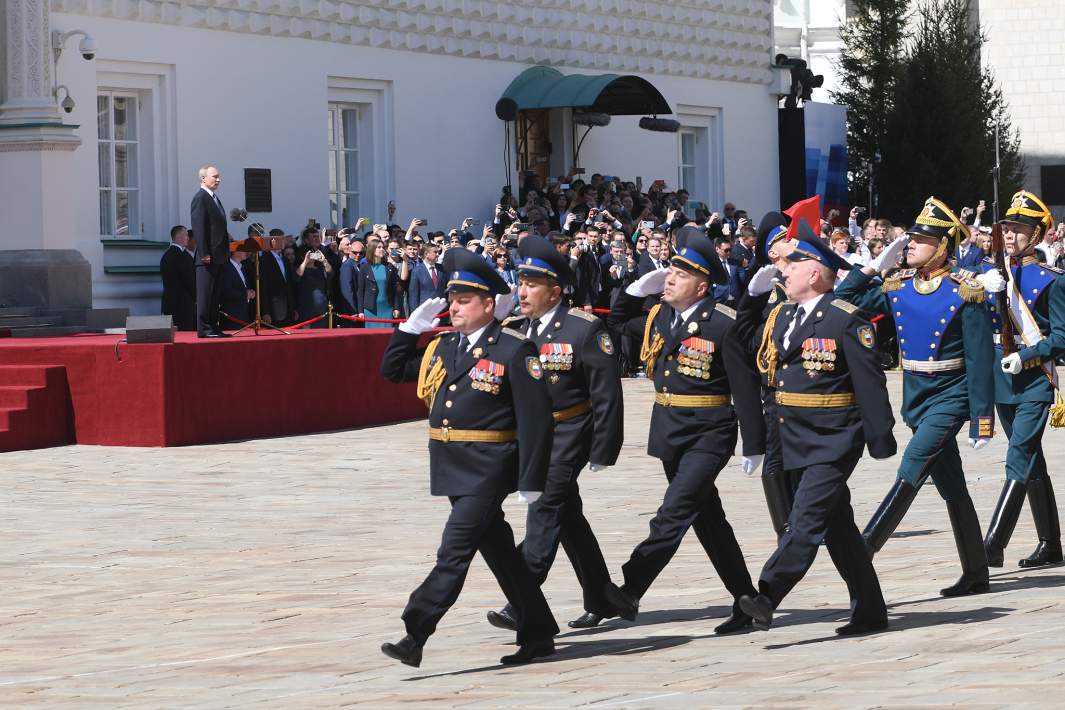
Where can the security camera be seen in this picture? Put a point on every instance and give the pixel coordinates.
(68, 104)
(87, 47)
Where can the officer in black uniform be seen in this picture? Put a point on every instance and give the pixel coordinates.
(490, 435)
(772, 248)
(832, 402)
(704, 382)
(581, 368)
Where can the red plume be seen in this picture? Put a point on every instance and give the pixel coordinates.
(809, 210)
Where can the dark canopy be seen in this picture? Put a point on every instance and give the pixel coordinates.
(614, 94)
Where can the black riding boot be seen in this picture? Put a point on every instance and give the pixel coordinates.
(1003, 521)
(974, 576)
(1045, 515)
(888, 516)
(779, 497)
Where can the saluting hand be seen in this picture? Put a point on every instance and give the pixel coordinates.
(653, 282)
(424, 317)
(889, 258)
(762, 281)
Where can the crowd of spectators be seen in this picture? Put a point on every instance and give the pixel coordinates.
(612, 230)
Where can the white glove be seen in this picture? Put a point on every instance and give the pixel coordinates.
(424, 317)
(649, 284)
(889, 258)
(762, 281)
(1011, 364)
(751, 464)
(528, 497)
(992, 281)
(505, 304)
(595, 467)
(978, 444)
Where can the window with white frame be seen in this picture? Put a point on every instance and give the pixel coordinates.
(119, 155)
(343, 132)
(687, 167)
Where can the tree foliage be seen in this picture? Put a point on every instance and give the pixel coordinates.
(938, 122)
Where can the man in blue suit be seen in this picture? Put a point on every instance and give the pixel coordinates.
(729, 293)
(968, 255)
(426, 278)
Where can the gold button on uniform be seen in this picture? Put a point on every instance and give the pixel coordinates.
(452, 388)
(447, 403)
(666, 373)
(445, 422)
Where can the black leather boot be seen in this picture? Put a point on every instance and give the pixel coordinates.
(888, 516)
(966, 526)
(1003, 521)
(1047, 526)
(778, 497)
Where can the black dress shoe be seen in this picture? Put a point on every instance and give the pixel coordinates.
(587, 620)
(222, 334)
(627, 606)
(856, 628)
(968, 584)
(528, 652)
(738, 621)
(760, 609)
(208, 334)
(407, 650)
(503, 619)
(1047, 552)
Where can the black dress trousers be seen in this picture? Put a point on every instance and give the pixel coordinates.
(691, 500)
(208, 296)
(822, 510)
(476, 524)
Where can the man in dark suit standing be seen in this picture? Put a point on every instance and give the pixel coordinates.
(968, 255)
(729, 292)
(427, 280)
(275, 285)
(212, 251)
(238, 292)
(179, 280)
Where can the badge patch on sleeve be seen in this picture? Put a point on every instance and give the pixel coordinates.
(532, 364)
(605, 343)
(866, 336)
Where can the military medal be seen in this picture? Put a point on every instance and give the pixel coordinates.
(487, 376)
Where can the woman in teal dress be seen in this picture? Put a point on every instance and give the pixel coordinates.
(378, 286)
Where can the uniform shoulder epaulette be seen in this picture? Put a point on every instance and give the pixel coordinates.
(894, 281)
(965, 273)
(1053, 269)
(845, 305)
(725, 310)
(512, 319)
(970, 290)
(579, 313)
(515, 333)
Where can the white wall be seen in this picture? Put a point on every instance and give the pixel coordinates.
(243, 100)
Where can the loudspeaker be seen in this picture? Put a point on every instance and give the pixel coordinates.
(149, 329)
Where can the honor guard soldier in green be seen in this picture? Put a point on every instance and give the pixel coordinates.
(772, 248)
(1025, 379)
(490, 435)
(704, 383)
(945, 341)
(820, 356)
(581, 369)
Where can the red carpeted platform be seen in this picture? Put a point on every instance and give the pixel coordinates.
(196, 391)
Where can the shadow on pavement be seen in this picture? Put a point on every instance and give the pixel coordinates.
(654, 616)
(575, 650)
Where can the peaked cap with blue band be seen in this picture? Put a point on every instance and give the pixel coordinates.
(813, 247)
(696, 254)
(469, 272)
(774, 226)
(539, 257)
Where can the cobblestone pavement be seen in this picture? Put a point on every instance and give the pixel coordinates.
(267, 573)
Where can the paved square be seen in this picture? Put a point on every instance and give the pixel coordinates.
(267, 573)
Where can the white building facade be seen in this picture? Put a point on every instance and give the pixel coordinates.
(350, 105)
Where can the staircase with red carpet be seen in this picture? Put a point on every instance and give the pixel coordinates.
(34, 407)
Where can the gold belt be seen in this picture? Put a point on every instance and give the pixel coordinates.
(792, 399)
(668, 399)
(447, 435)
(571, 412)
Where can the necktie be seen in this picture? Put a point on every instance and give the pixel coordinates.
(460, 351)
(534, 328)
(677, 323)
(219, 203)
(432, 273)
(796, 321)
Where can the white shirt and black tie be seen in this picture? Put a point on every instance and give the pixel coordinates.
(536, 326)
(802, 312)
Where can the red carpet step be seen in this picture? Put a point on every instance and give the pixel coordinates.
(34, 407)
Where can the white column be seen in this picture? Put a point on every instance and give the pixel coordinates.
(27, 64)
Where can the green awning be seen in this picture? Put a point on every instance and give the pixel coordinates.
(615, 94)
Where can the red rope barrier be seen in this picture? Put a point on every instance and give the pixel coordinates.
(307, 322)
